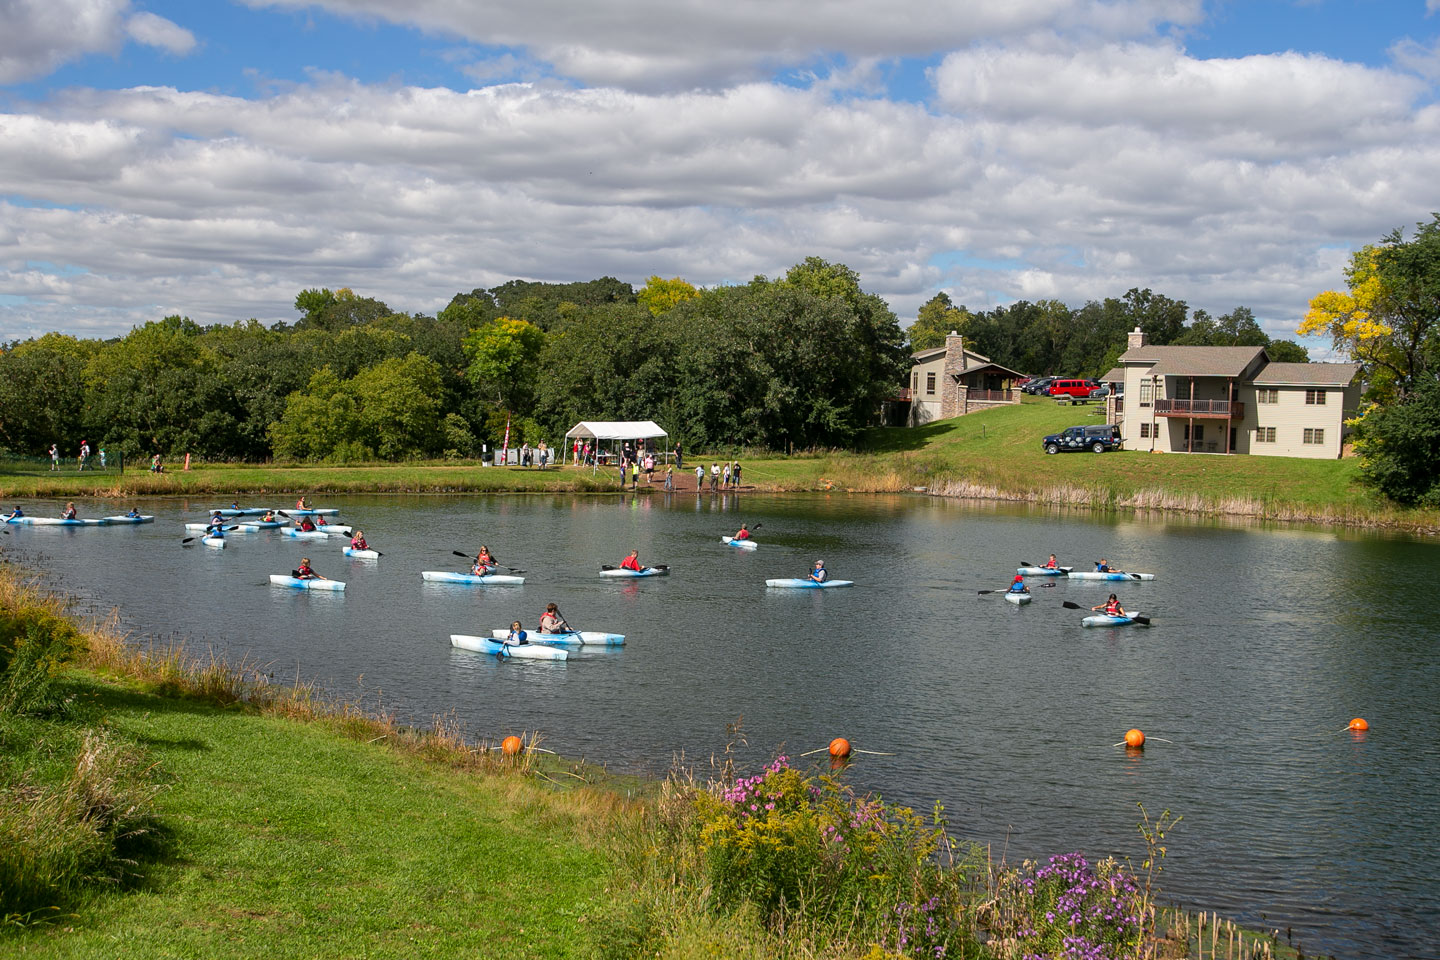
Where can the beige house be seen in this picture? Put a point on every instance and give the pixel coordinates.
(951, 381)
(1232, 400)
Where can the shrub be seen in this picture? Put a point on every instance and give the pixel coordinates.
(35, 644)
(1068, 909)
(805, 850)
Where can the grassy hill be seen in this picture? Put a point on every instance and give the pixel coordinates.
(996, 454)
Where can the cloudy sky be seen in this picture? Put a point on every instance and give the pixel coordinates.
(212, 159)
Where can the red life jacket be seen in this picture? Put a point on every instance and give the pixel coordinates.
(1051, 565)
(630, 563)
(742, 535)
(1112, 607)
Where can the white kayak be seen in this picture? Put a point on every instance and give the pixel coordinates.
(800, 584)
(242, 511)
(55, 522)
(1112, 575)
(1044, 571)
(1017, 598)
(1106, 620)
(742, 544)
(570, 638)
(524, 651)
(317, 512)
(362, 554)
(201, 526)
(304, 534)
(280, 580)
(213, 541)
(659, 570)
(255, 526)
(122, 518)
(445, 576)
(339, 528)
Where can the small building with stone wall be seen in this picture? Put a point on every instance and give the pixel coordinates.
(951, 381)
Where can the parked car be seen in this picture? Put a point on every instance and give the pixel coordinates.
(1097, 437)
(1080, 389)
(1037, 386)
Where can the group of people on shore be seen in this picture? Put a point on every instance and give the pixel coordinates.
(82, 460)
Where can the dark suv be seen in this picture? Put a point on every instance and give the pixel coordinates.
(1098, 438)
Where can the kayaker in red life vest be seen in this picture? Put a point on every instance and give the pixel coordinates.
(357, 542)
(743, 533)
(269, 517)
(302, 504)
(1018, 585)
(484, 562)
(69, 512)
(1112, 607)
(307, 525)
(320, 521)
(631, 562)
(551, 621)
(307, 572)
(1052, 563)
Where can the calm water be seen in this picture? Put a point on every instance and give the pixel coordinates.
(1266, 642)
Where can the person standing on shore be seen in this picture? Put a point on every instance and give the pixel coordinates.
(699, 477)
(725, 475)
(735, 475)
(669, 479)
(679, 460)
(54, 456)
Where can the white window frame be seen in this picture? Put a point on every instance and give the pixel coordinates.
(1145, 430)
(1147, 389)
(930, 384)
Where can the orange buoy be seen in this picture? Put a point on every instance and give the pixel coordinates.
(1359, 724)
(840, 748)
(1134, 738)
(512, 745)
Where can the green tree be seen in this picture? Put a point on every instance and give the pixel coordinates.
(936, 319)
(504, 362)
(319, 421)
(398, 403)
(659, 295)
(43, 393)
(1397, 444)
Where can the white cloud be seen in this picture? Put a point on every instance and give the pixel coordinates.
(156, 31)
(1043, 170)
(1418, 58)
(659, 44)
(40, 35)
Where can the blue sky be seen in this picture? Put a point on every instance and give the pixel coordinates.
(1225, 153)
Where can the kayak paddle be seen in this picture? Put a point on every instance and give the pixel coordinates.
(472, 560)
(1070, 605)
(188, 540)
(1005, 591)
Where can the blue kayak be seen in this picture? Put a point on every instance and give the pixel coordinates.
(1106, 620)
(1111, 575)
(280, 580)
(799, 584)
(54, 522)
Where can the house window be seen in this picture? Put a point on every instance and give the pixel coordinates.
(1315, 397)
(1314, 435)
(1144, 430)
(1199, 432)
(1264, 434)
(930, 384)
(914, 384)
(1267, 396)
(1146, 387)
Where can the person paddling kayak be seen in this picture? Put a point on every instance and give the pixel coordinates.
(515, 638)
(1018, 585)
(1111, 607)
(133, 514)
(632, 562)
(551, 621)
(303, 503)
(819, 574)
(1103, 566)
(269, 517)
(307, 525)
(307, 572)
(357, 542)
(484, 562)
(217, 523)
(743, 533)
(69, 512)
(1052, 563)
(17, 512)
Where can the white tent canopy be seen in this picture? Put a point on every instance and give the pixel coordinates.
(616, 430)
(611, 431)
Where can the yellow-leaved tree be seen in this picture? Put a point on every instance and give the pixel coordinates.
(659, 295)
(1389, 316)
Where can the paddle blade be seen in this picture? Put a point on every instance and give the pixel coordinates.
(1026, 563)
(661, 566)
(182, 542)
(459, 554)
(984, 591)
(1143, 621)
(1070, 605)
(1134, 576)
(606, 566)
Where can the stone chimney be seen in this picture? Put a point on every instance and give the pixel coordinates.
(951, 392)
(1135, 339)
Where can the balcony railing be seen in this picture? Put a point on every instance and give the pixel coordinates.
(1232, 409)
(990, 396)
(903, 395)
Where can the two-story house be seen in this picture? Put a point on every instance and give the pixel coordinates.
(1233, 400)
(951, 381)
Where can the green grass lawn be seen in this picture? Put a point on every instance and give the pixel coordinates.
(287, 840)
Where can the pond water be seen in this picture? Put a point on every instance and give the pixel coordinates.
(1265, 643)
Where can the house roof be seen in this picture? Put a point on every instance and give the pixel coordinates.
(1309, 374)
(924, 356)
(987, 365)
(1116, 375)
(1175, 361)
